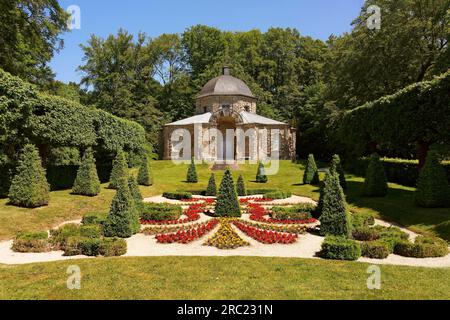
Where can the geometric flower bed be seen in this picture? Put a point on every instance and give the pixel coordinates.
(186, 236)
(266, 236)
(226, 237)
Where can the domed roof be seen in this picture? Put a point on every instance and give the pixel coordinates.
(225, 85)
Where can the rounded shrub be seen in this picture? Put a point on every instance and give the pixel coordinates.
(144, 177)
(119, 171)
(311, 174)
(111, 247)
(340, 248)
(211, 190)
(261, 176)
(29, 187)
(240, 187)
(365, 234)
(375, 184)
(336, 166)
(31, 242)
(375, 249)
(227, 203)
(87, 182)
(433, 189)
(423, 247)
(191, 176)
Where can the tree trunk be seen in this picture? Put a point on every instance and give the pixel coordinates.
(422, 153)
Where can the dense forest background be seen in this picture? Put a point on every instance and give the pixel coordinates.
(306, 82)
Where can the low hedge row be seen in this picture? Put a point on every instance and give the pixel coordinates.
(106, 247)
(423, 247)
(378, 249)
(31, 242)
(177, 195)
(296, 212)
(340, 248)
(155, 211)
(360, 220)
(252, 192)
(401, 171)
(277, 195)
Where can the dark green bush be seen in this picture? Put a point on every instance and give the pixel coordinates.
(61, 177)
(177, 195)
(365, 234)
(29, 187)
(191, 175)
(363, 219)
(433, 189)
(375, 184)
(227, 203)
(91, 231)
(144, 175)
(136, 194)
(261, 176)
(211, 190)
(240, 187)
(252, 192)
(311, 174)
(111, 247)
(31, 242)
(72, 246)
(423, 247)
(156, 211)
(375, 249)
(337, 167)
(93, 218)
(340, 248)
(60, 236)
(278, 195)
(87, 182)
(119, 173)
(297, 212)
(90, 246)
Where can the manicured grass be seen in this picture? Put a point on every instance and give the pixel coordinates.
(220, 278)
(398, 206)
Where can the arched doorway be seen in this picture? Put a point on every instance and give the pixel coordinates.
(227, 145)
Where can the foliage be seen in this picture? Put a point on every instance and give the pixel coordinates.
(261, 176)
(93, 218)
(240, 187)
(135, 193)
(31, 242)
(160, 212)
(433, 189)
(375, 249)
(334, 218)
(111, 247)
(340, 248)
(91, 231)
(29, 187)
(365, 234)
(119, 173)
(177, 195)
(277, 195)
(311, 174)
(191, 176)
(144, 177)
(336, 165)
(375, 184)
(227, 204)
(87, 182)
(211, 190)
(59, 238)
(423, 247)
(360, 220)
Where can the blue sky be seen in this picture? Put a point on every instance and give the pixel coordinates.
(315, 18)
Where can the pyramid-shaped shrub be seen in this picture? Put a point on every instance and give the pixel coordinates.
(240, 187)
(211, 190)
(336, 165)
(87, 182)
(261, 176)
(191, 176)
(29, 187)
(144, 177)
(227, 203)
(122, 220)
(119, 171)
(375, 184)
(433, 190)
(334, 218)
(136, 194)
(311, 174)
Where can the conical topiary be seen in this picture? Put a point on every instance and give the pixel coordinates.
(211, 190)
(119, 171)
(122, 220)
(433, 190)
(29, 187)
(334, 219)
(261, 176)
(87, 182)
(136, 194)
(144, 177)
(191, 176)
(311, 174)
(375, 184)
(227, 203)
(337, 167)
(240, 187)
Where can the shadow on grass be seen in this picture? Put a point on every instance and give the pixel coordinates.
(398, 206)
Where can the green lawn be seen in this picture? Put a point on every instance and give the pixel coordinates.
(220, 278)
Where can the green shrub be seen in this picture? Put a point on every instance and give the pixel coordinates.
(90, 246)
(423, 247)
(261, 176)
(240, 187)
(119, 171)
(337, 167)
(91, 231)
(211, 190)
(391, 236)
(72, 246)
(252, 192)
(29, 187)
(340, 248)
(136, 194)
(375, 184)
(60, 236)
(433, 189)
(365, 234)
(363, 219)
(375, 249)
(297, 212)
(31, 242)
(87, 182)
(156, 211)
(334, 219)
(278, 195)
(93, 218)
(110, 247)
(227, 203)
(191, 176)
(122, 220)
(177, 195)
(144, 175)
(311, 174)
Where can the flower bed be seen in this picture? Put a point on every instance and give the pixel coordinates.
(187, 236)
(258, 213)
(226, 237)
(192, 214)
(266, 236)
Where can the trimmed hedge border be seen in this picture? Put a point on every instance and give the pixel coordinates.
(340, 248)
